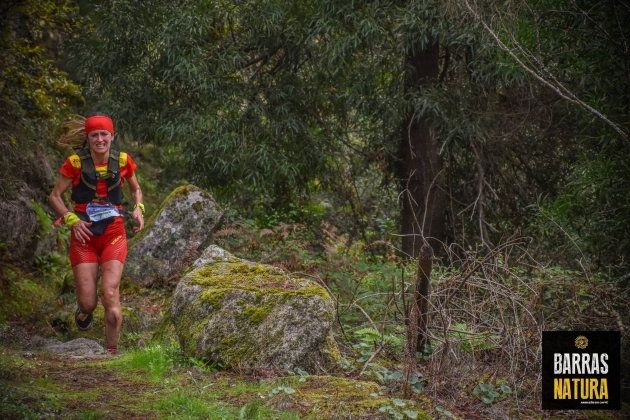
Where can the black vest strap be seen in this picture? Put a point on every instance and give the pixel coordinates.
(87, 168)
(113, 169)
(86, 190)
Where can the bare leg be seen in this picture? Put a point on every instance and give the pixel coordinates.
(111, 271)
(85, 283)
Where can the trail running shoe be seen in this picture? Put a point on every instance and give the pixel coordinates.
(83, 321)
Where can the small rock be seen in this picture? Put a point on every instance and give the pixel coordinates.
(78, 347)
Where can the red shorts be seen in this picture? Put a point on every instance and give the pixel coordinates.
(111, 245)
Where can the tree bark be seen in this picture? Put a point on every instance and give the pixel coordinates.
(421, 166)
(418, 316)
(423, 295)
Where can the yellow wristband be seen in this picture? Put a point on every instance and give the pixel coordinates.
(141, 207)
(70, 219)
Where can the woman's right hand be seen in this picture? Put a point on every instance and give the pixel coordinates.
(81, 232)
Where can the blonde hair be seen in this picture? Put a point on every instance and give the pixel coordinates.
(75, 136)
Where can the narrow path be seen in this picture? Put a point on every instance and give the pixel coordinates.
(46, 386)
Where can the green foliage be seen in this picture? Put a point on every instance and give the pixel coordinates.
(582, 45)
(32, 295)
(184, 404)
(204, 364)
(43, 219)
(294, 112)
(383, 374)
(398, 411)
(91, 415)
(156, 359)
(32, 32)
(286, 389)
(261, 145)
(180, 404)
(250, 411)
(443, 412)
(487, 394)
(273, 103)
(371, 336)
(160, 360)
(469, 341)
(591, 214)
(35, 95)
(12, 405)
(301, 373)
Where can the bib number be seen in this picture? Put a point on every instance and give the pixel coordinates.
(97, 212)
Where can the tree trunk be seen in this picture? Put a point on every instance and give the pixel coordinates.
(423, 295)
(421, 166)
(418, 316)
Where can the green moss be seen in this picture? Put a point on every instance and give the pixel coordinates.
(31, 295)
(190, 331)
(188, 270)
(129, 287)
(257, 314)
(214, 296)
(258, 278)
(165, 329)
(332, 352)
(267, 284)
(43, 219)
(257, 290)
(235, 355)
(357, 398)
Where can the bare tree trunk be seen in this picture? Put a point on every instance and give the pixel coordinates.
(423, 294)
(421, 167)
(411, 347)
(418, 317)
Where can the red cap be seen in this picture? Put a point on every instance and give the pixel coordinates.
(99, 123)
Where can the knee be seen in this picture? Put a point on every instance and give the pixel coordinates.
(113, 315)
(87, 306)
(109, 296)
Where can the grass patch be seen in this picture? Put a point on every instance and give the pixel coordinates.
(13, 405)
(182, 405)
(156, 360)
(207, 397)
(90, 415)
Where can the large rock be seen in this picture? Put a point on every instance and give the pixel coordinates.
(252, 315)
(172, 237)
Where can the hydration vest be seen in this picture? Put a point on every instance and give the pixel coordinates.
(85, 192)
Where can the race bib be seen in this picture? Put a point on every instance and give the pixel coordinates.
(97, 212)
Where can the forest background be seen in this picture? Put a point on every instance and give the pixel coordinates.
(347, 131)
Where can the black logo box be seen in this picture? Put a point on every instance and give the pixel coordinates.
(599, 342)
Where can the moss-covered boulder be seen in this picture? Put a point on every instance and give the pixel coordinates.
(172, 237)
(252, 315)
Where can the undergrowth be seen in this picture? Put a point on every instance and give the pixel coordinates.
(487, 311)
(191, 391)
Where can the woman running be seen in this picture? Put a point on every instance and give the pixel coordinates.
(97, 174)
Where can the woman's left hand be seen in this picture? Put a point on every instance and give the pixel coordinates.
(137, 214)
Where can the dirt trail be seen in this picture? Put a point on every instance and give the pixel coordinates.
(50, 386)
